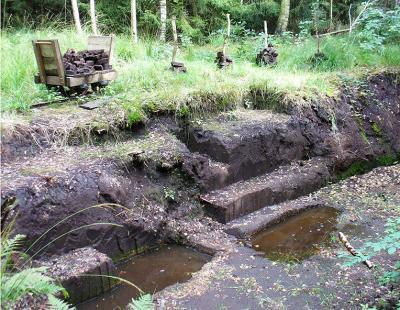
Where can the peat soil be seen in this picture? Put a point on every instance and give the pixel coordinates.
(242, 278)
(165, 181)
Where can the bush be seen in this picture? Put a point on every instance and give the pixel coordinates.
(379, 27)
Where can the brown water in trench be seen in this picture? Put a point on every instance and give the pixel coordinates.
(298, 237)
(152, 272)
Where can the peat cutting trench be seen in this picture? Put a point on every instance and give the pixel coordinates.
(237, 209)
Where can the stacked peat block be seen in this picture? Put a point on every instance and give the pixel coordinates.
(85, 62)
(223, 61)
(267, 56)
(178, 66)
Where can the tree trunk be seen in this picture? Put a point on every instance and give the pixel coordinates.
(77, 20)
(175, 35)
(163, 18)
(283, 16)
(134, 22)
(93, 17)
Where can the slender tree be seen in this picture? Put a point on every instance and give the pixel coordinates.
(93, 17)
(283, 16)
(134, 22)
(163, 18)
(77, 19)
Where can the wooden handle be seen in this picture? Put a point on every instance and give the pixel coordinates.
(174, 31)
(265, 34)
(228, 31)
(175, 34)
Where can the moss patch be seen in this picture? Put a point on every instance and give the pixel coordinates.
(361, 167)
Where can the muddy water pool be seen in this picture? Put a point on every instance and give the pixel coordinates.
(152, 272)
(298, 237)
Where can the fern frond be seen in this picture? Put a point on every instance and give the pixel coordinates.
(144, 302)
(31, 280)
(9, 246)
(58, 304)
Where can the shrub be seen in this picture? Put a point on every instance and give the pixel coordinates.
(378, 27)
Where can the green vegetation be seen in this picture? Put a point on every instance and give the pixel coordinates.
(17, 282)
(18, 279)
(144, 302)
(361, 167)
(145, 80)
(389, 243)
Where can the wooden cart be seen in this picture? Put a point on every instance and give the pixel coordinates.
(52, 72)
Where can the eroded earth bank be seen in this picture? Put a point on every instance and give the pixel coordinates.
(236, 187)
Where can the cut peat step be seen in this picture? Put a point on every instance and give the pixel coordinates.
(285, 183)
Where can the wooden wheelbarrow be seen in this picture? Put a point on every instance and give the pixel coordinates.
(53, 74)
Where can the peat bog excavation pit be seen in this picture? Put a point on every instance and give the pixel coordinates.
(232, 209)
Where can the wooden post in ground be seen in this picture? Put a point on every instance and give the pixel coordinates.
(265, 34)
(175, 35)
(176, 66)
(228, 33)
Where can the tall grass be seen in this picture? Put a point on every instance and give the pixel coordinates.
(144, 78)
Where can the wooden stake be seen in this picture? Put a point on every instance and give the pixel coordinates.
(352, 250)
(175, 34)
(228, 33)
(265, 34)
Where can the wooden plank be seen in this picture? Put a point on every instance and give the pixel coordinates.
(105, 43)
(50, 80)
(91, 78)
(54, 80)
(60, 65)
(50, 63)
(49, 60)
(42, 71)
(47, 50)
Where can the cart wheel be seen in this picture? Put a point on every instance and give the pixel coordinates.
(58, 89)
(99, 85)
(81, 90)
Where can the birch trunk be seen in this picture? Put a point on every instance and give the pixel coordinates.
(175, 34)
(134, 22)
(163, 18)
(283, 16)
(77, 19)
(93, 17)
